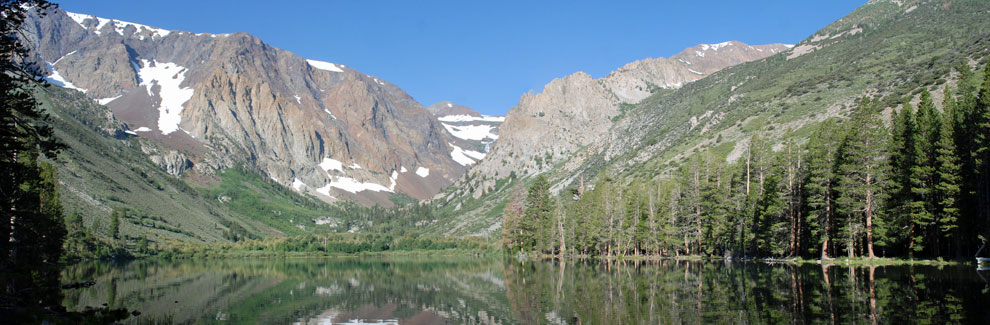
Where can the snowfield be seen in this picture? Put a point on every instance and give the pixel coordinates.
(168, 76)
(471, 132)
(324, 65)
(469, 118)
(465, 157)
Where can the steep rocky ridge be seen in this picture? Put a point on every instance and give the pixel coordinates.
(577, 110)
(230, 99)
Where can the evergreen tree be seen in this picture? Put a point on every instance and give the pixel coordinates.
(947, 190)
(770, 223)
(861, 173)
(512, 232)
(792, 196)
(115, 225)
(32, 230)
(820, 183)
(637, 210)
(901, 160)
(922, 205)
(691, 179)
(668, 211)
(979, 124)
(538, 216)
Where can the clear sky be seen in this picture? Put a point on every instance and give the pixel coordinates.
(483, 54)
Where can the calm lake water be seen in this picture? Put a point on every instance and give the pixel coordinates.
(462, 290)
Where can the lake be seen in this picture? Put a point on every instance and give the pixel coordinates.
(468, 290)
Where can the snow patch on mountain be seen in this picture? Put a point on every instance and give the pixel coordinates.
(469, 118)
(474, 154)
(324, 65)
(422, 172)
(471, 132)
(715, 47)
(118, 26)
(56, 79)
(104, 101)
(331, 164)
(351, 185)
(465, 157)
(298, 185)
(168, 76)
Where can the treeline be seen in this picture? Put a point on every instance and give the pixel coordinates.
(327, 243)
(919, 187)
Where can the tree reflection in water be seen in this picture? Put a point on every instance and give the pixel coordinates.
(462, 290)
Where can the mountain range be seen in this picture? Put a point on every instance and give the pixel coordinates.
(215, 101)
(186, 113)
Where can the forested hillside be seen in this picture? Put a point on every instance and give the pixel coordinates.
(885, 51)
(857, 187)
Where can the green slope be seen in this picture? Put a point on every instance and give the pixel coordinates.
(103, 169)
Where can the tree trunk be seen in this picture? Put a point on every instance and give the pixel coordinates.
(828, 227)
(749, 159)
(790, 203)
(560, 229)
(697, 205)
(869, 216)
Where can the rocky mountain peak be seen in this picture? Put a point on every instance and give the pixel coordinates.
(227, 99)
(574, 111)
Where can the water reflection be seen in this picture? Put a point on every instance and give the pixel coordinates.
(494, 291)
(671, 292)
(306, 291)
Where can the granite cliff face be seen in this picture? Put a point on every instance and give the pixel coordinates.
(575, 111)
(221, 100)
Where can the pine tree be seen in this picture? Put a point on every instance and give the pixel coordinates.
(637, 207)
(947, 190)
(668, 210)
(861, 174)
(922, 182)
(979, 124)
(770, 224)
(820, 183)
(32, 230)
(691, 179)
(115, 225)
(511, 228)
(898, 207)
(792, 196)
(537, 219)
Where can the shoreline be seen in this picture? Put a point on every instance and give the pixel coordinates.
(855, 261)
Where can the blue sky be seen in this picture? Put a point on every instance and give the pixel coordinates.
(483, 54)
